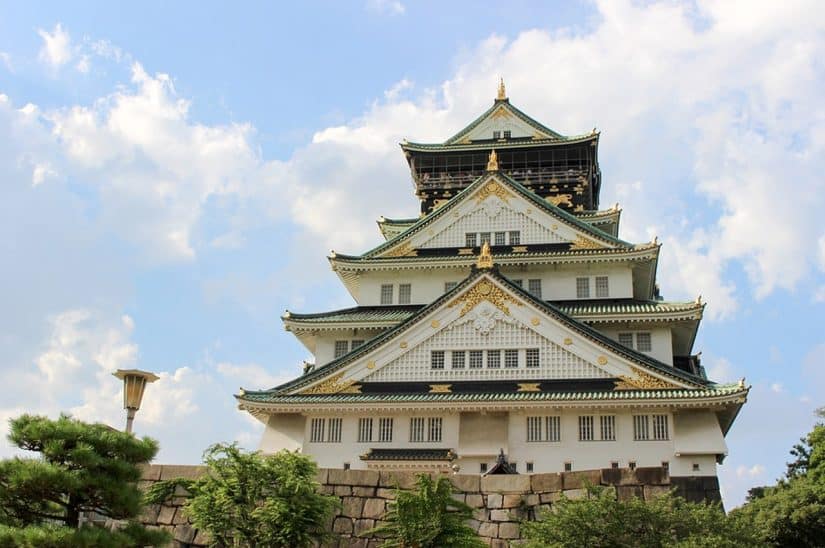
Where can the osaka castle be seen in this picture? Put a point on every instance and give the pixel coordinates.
(507, 322)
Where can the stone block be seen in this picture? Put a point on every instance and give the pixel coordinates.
(342, 490)
(180, 517)
(184, 533)
(482, 514)
(364, 478)
(495, 500)
(374, 508)
(352, 507)
(399, 479)
(363, 491)
(458, 497)
(322, 475)
(546, 483)
(172, 471)
(499, 543)
(342, 526)
(143, 485)
(531, 500)
(577, 480)
(652, 475)
(627, 492)
(385, 493)
(466, 483)
(150, 472)
(505, 483)
(363, 525)
(166, 515)
(354, 543)
(509, 530)
(473, 524)
(149, 514)
(575, 494)
(487, 529)
(500, 515)
(202, 537)
(475, 501)
(618, 476)
(655, 491)
(542, 509)
(550, 497)
(326, 489)
(512, 501)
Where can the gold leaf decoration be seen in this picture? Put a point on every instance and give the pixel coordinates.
(644, 381)
(403, 250)
(441, 388)
(434, 324)
(535, 321)
(493, 188)
(584, 243)
(528, 387)
(484, 291)
(332, 385)
(568, 341)
(602, 360)
(559, 199)
(370, 364)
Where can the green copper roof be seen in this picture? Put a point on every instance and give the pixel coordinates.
(357, 314)
(609, 395)
(505, 103)
(498, 145)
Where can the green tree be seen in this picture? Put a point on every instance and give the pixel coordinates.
(249, 500)
(82, 468)
(427, 518)
(599, 520)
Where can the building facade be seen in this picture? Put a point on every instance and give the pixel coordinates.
(507, 320)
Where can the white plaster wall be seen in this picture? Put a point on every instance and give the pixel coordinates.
(283, 431)
(503, 122)
(558, 283)
(660, 340)
(325, 342)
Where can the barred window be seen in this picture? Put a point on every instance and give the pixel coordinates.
(334, 431)
(497, 135)
(484, 237)
(626, 339)
(534, 287)
(494, 359)
(553, 425)
(386, 293)
(471, 239)
(529, 467)
(385, 429)
(532, 357)
(586, 428)
(507, 133)
(356, 343)
(435, 429)
(364, 430)
(417, 429)
(459, 359)
(449, 286)
(568, 466)
(519, 283)
(511, 358)
(660, 430)
(482, 467)
(404, 293)
(608, 427)
(341, 348)
(643, 342)
(316, 430)
(582, 288)
(515, 237)
(641, 432)
(476, 359)
(534, 429)
(500, 238)
(437, 359)
(543, 428)
(601, 287)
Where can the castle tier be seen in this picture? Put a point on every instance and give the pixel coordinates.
(508, 321)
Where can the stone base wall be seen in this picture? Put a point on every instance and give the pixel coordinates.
(499, 502)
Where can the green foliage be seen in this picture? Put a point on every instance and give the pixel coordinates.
(162, 491)
(82, 468)
(599, 520)
(248, 500)
(427, 518)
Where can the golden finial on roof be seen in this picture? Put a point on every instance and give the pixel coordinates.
(485, 258)
(502, 93)
(492, 163)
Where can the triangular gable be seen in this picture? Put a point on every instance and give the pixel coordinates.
(503, 116)
(496, 203)
(487, 298)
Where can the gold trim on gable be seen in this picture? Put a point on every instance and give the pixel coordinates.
(584, 243)
(484, 290)
(644, 381)
(404, 250)
(493, 188)
(333, 385)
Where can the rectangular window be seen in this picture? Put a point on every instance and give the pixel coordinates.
(529, 466)
(514, 466)
(346, 466)
(601, 287)
(515, 237)
(434, 429)
(534, 429)
(534, 287)
(507, 133)
(476, 359)
(497, 135)
(500, 238)
(364, 430)
(519, 283)
(614, 464)
(568, 466)
(334, 431)
(494, 359)
(471, 239)
(341, 348)
(553, 425)
(459, 359)
(640, 428)
(437, 359)
(666, 466)
(608, 427)
(582, 288)
(484, 237)
(632, 465)
(643, 342)
(385, 429)
(626, 339)
(449, 286)
(417, 429)
(404, 293)
(532, 357)
(386, 293)
(482, 468)
(316, 430)
(660, 429)
(356, 343)
(511, 358)
(586, 428)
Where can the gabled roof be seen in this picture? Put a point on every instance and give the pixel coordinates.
(643, 361)
(504, 104)
(557, 212)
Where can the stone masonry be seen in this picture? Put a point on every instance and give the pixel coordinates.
(500, 502)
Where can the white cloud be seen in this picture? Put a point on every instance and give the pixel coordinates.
(252, 376)
(722, 370)
(754, 471)
(776, 387)
(388, 7)
(5, 60)
(57, 46)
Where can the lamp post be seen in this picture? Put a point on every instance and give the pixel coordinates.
(134, 383)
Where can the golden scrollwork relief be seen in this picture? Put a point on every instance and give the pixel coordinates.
(484, 290)
(404, 250)
(493, 188)
(583, 243)
(528, 387)
(435, 324)
(333, 385)
(644, 381)
(441, 388)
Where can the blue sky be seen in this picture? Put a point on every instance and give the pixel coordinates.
(174, 175)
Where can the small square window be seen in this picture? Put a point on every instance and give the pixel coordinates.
(484, 237)
(695, 466)
(582, 288)
(534, 287)
(386, 293)
(632, 465)
(601, 287)
(449, 286)
(515, 237)
(404, 293)
(643, 342)
(507, 133)
(511, 358)
(346, 466)
(497, 135)
(519, 283)
(341, 348)
(437, 359)
(458, 359)
(532, 357)
(494, 359)
(476, 359)
(666, 466)
(529, 467)
(568, 466)
(471, 239)
(356, 343)
(500, 238)
(614, 464)
(482, 467)
(626, 339)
